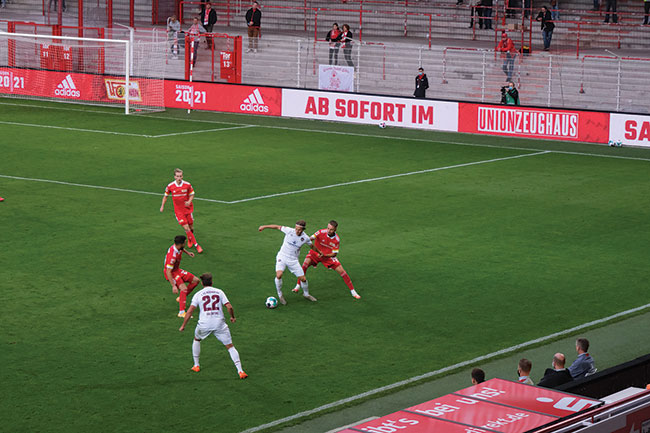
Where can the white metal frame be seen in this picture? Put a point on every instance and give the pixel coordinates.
(127, 54)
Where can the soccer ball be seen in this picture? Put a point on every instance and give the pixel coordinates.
(382, 124)
(271, 302)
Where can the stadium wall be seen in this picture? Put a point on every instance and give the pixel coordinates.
(501, 120)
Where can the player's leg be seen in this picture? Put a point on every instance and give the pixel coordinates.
(223, 335)
(305, 266)
(280, 266)
(194, 281)
(190, 222)
(347, 280)
(182, 298)
(196, 353)
(296, 269)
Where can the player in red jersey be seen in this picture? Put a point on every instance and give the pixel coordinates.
(176, 276)
(326, 248)
(182, 195)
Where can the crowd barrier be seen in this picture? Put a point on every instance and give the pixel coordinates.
(501, 120)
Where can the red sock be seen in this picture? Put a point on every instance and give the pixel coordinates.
(304, 271)
(347, 280)
(181, 301)
(191, 287)
(191, 237)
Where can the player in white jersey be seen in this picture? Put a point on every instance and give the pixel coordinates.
(210, 301)
(287, 257)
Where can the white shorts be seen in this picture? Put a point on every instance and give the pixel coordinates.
(282, 262)
(222, 333)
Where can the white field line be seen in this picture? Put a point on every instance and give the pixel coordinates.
(281, 193)
(392, 176)
(355, 134)
(96, 131)
(446, 369)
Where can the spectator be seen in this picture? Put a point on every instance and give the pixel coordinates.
(596, 5)
(508, 53)
(555, 10)
(421, 84)
(584, 363)
(346, 38)
(475, 11)
(524, 371)
(547, 26)
(173, 29)
(527, 8)
(208, 18)
(478, 376)
(194, 33)
(334, 38)
(611, 4)
(510, 94)
(556, 376)
(56, 2)
(486, 6)
(254, 23)
(646, 9)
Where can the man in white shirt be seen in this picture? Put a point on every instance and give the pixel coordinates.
(287, 257)
(210, 301)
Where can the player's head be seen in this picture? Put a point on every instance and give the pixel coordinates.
(478, 376)
(524, 367)
(179, 241)
(178, 174)
(300, 226)
(206, 279)
(331, 227)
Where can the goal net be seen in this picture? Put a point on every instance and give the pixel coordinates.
(83, 70)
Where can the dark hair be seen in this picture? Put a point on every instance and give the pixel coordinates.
(180, 239)
(301, 223)
(345, 26)
(206, 279)
(334, 223)
(525, 365)
(336, 24)
(478, 375)
(583, 343)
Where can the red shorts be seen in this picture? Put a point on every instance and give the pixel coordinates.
(180, 276)
(184, 217)
(328, 262)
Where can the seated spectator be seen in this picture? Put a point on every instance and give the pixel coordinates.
(478, 376)
(556, 376)
(584, 363)
(524, 371)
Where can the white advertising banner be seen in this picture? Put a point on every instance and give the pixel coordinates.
(331, 77)
(629, 129)
(354, 108)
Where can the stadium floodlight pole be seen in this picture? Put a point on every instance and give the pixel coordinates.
(76, 38)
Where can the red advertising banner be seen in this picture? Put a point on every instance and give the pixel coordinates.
(528, 397)
(76, 87)
(223, 97)
(406, 422)
(534, 122)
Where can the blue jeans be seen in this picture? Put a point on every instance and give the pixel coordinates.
(555, 14)
(487, 17)
(509, 65)
(547, 34)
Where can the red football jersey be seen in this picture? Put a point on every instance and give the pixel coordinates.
(325, 243)
(172, 259)
(180, 194)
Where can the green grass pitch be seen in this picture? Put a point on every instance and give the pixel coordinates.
(451, 264)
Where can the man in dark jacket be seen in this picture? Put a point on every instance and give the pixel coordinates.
(547, 26)
(208, 18)
(254, 22)
(421, 84)
(487, 13)
(556, 376)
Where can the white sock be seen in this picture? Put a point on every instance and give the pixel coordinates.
(305, 287)
(278, 286)
(234, 355)
(353, 292)
(196, 351)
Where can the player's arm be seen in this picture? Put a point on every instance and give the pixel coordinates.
(188, 316)
(168, 273)
(230, 311)
(189, 253)
(270, 226)
(162, 206)
(314, 247)
(188, 203)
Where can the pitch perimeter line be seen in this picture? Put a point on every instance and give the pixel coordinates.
(444, 370)
(467, 164)
(281, 193)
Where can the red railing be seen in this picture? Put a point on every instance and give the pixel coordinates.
(232, 72)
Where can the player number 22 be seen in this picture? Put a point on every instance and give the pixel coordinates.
(206, 303)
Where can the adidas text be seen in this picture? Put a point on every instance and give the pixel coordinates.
(257, 108)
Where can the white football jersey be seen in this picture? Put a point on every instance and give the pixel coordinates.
(210, 302)
(292, 242)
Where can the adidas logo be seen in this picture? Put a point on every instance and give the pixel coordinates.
(67, 88)
(254, 103)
